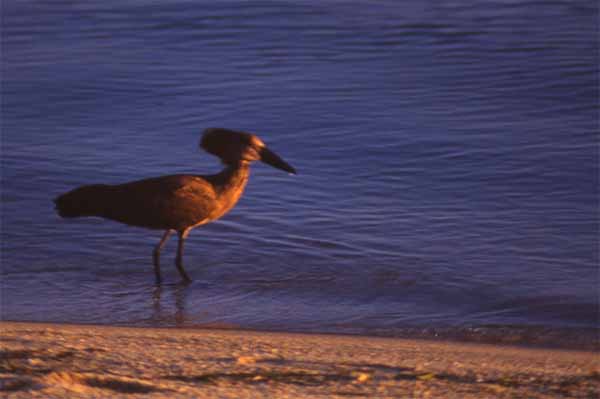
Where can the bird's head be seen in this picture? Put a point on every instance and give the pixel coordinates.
(234, 147)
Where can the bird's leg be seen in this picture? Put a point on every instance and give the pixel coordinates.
(179, 259)
(156, 254)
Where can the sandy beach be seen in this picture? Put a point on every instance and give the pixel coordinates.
(81, 361)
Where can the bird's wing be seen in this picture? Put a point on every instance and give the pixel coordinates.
(168, 202)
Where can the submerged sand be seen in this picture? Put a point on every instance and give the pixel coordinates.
(80, 361)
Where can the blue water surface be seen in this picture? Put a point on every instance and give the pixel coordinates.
(447, 155)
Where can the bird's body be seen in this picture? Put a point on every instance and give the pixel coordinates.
(176, 202)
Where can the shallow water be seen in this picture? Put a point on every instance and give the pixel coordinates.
(447, 156)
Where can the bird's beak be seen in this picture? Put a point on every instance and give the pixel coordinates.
(269, 157)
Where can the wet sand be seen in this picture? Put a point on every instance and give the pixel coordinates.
(80, 361)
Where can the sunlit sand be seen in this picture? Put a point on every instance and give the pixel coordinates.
(80, 361)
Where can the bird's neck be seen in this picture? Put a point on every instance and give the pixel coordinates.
(230, 183)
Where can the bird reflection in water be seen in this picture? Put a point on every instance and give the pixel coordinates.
(162, 315)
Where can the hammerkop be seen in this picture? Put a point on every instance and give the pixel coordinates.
(176, 203)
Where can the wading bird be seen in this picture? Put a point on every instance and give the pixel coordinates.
(176, 203)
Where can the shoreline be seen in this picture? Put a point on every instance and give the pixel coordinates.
(70, 360)
(523, 336)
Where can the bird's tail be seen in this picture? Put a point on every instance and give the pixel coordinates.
(83, 201)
